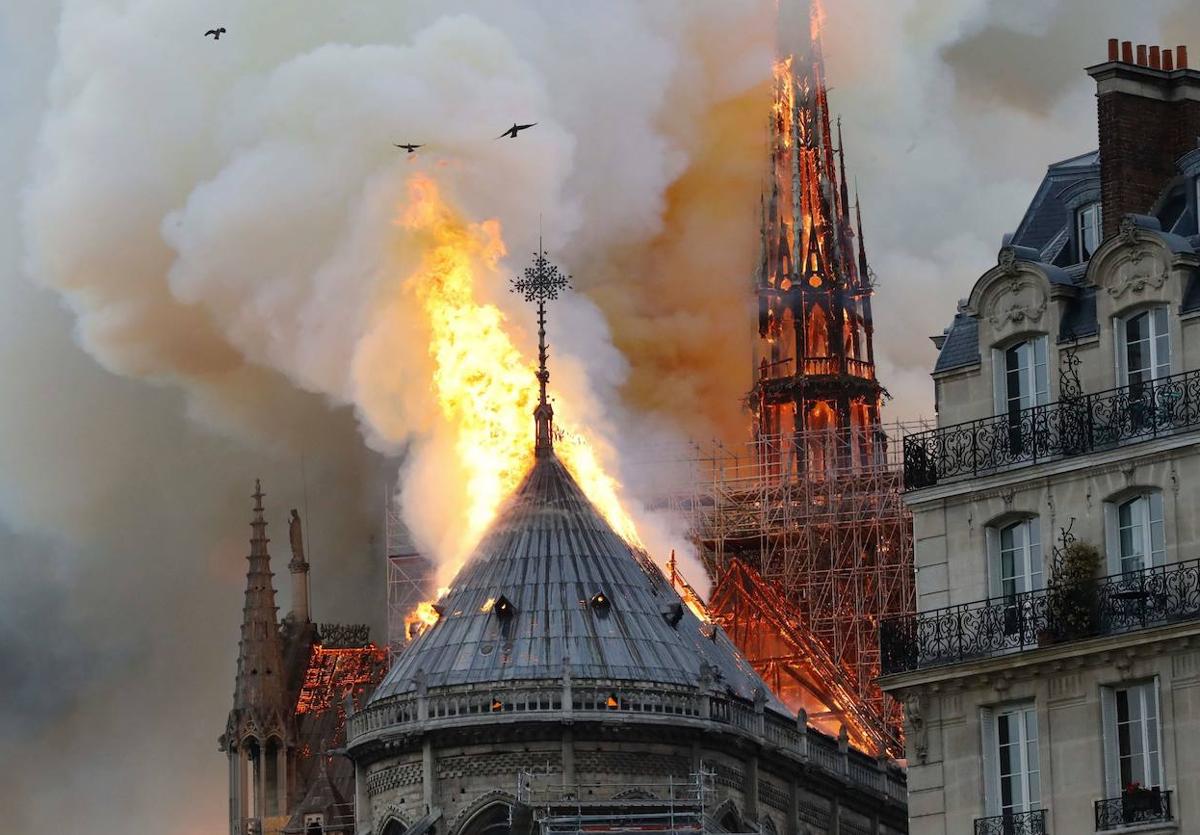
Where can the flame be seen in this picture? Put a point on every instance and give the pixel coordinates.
(484, 387)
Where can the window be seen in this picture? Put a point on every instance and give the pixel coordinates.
(1131, 737)
(1021, 379)
(1010, 760)
(1088, 222)
(1015, 558)
(1135, 535)
(1143, 347)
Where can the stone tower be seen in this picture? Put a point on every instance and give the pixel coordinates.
(259, 732)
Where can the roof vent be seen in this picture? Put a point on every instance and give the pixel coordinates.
(504, 608)
(600, 604)
(673, 613)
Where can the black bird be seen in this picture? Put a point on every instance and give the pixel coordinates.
(216, 33)
(511, 133)
(410, 148)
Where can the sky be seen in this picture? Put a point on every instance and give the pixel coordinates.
(198, 264)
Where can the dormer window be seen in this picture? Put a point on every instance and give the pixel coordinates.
(1087, 230)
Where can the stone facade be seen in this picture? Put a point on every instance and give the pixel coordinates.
(1037, 703)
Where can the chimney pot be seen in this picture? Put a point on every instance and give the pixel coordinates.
(1168, 60)
(1113, 49)
(1155, 58)
(1141, 55)
(1127, 52)
(1181, 57)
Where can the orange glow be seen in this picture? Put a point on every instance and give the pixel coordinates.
(484, 387)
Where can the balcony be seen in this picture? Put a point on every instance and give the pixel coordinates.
(1013, 823)
(1002, 625)
(1133, 808)
(1057, 430)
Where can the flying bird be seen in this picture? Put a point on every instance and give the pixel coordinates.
(512, 132)
(216, 33)
(410, 148)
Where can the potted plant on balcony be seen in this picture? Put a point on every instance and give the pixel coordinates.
(1073, 597)
(1139, 803)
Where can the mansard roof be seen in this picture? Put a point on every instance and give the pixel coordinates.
(552, 587)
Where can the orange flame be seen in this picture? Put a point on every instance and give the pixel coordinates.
(484, 387)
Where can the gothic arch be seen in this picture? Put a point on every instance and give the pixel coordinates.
(392, 822)
(487, 815)
(729, 816)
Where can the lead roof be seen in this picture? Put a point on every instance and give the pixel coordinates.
(549, 553)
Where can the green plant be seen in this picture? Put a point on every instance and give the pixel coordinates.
(1074, 591)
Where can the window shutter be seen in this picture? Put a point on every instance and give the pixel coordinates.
(995, 587)
(1000, 389)
(1158, 545)
(1108, 724)
(1118, 326)
(1037, 578)
(1112, 538)
(991, 762)
(1162, 346)
(1041, 381)
(1153, 701)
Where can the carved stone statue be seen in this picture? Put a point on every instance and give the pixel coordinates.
(296, 534)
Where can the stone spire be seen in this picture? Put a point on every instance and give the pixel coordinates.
(541, 283)
(259, 688)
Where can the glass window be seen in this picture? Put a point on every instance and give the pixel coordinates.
(1013, 751)
(1022, 380)
(1131, 734)
(1088, 222)
(1019, 554)
(1144, 350)
(1137, 535)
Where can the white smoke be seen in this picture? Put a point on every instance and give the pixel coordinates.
(217, 217)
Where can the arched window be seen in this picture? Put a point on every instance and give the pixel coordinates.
(818, 333)
(1135, 537)
(492, 820)
(1015, 557)
(394, 827)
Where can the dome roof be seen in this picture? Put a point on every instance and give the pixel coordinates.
(551, 584)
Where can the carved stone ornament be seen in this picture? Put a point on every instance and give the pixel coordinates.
(917, 732)
(1140, 282)
(1007, 261)
(1128, 230)
(1017, 314)
(1027, 308)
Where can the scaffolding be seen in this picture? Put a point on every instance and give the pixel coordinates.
(671, 805)
(409, 577)
(833, 541)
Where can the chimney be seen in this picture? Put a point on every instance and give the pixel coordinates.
(1148, 114)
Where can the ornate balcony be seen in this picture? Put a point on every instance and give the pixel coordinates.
(1000, 625)
(1068, 427)
(1013, 823)
(1132, 808)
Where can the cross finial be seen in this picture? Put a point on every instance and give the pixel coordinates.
(541, 283)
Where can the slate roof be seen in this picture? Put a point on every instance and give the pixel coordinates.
(1046, 224)
(961, 347)
(548, 554)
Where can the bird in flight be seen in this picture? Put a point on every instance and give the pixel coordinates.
(216, 33)
(512, 132)
(410, 148)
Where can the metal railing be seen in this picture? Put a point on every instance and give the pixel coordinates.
(1118, 603)
(1135, 807)
(1067, 427)
(1013, 823)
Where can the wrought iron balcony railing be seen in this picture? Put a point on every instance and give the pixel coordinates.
(1013, 823)
(1135, 807)
(1117, 603)
(1068, 427)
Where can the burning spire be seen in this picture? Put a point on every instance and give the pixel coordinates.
(541, 283)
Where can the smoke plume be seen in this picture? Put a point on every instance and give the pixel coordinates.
(203, 282)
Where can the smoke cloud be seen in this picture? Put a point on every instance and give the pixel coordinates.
(202, 282)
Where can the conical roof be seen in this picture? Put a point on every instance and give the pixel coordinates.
(551, 584)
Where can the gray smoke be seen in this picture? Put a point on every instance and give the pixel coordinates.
(193, 236)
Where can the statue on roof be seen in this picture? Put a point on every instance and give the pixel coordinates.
(296, 534)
